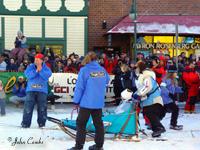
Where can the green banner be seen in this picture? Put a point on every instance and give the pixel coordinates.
(9, 79)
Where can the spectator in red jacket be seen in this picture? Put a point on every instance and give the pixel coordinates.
(69, 67)
(47, 62)
(198, 63)
(192, 80)
(159, 69)
(109, 63)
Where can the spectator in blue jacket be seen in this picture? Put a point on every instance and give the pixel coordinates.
(12, 66)
(169, 87)
(37, 74)
(89, 95)
(19, 91)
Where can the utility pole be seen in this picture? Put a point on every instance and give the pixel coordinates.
(176, 26)
(133, 16)
(176, 45)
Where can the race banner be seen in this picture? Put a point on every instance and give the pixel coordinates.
(9, 79)
(63, 84)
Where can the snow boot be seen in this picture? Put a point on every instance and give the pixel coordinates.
(24, 126)
(176, 127)
(75, 148)
(148, 126)
(52, 107)
(41, 125)
(158, 132)
(94, 147)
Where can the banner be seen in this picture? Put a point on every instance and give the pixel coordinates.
(9, 79)
(63, 84)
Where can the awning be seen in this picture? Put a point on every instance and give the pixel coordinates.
(159, 25)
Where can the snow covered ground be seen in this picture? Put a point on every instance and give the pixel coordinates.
(44, 139)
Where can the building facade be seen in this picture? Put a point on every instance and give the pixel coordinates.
(111, 12)
(114, 12)
(58, 24)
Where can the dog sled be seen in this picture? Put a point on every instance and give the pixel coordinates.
(118, 125)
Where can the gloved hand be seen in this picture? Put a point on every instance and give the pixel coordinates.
(76, 106)
(136, 98)
(178, 90)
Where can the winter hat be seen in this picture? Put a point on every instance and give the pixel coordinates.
(20, 77)
(172, 69)
(161, 57)
(133, 62)
(156, 59)
(81, 58)
(126, 94)
(39, 55)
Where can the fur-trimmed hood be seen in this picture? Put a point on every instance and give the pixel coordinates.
(145, 74)
(150, 73)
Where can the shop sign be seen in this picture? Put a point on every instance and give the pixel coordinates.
(193, 46)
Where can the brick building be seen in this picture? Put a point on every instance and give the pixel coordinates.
(114, 11)
(111, 12)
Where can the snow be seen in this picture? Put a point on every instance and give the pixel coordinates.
(189, 138)
(157, 28)
(159, 25)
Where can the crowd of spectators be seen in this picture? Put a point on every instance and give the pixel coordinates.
(72, 63)
(55, 62)
(119, 65)
(21, 56)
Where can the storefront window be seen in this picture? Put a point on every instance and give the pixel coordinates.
(148, 39)
(197, 40)
(163, 39)
(57, 49)
(162, 45)
(38, 48)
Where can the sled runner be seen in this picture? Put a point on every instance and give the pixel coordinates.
(121, 125)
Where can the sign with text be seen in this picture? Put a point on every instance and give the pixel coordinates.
(64, 85)
(193, 46)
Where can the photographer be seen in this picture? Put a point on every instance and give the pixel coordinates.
(19, 91)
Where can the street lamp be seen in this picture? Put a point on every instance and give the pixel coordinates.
(133, 16)
(133, 10)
